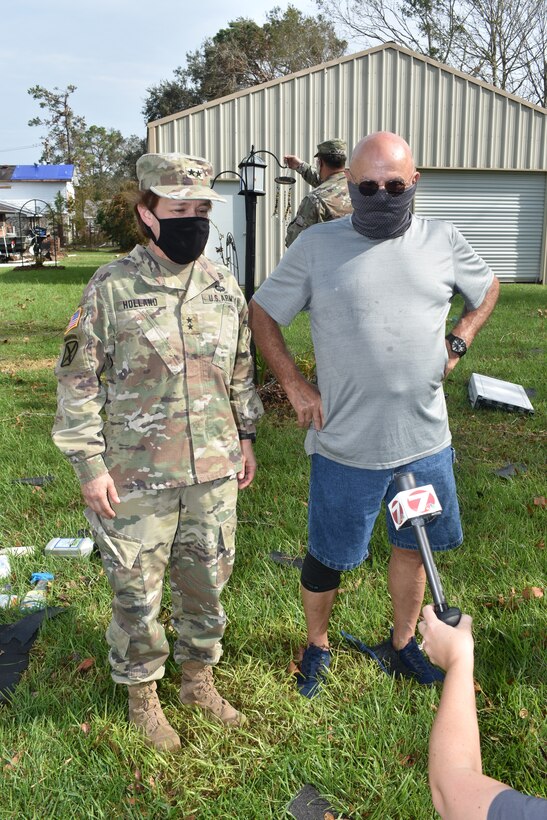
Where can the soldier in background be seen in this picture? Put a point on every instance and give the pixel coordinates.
(330, 197)
(157, 412)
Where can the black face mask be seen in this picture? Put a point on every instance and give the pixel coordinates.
(381, 216)
(182, 239)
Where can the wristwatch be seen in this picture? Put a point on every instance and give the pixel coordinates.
(457, 345)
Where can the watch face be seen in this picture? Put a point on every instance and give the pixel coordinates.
(458, 345)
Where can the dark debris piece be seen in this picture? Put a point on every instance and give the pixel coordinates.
(309, 805)
(16, 641)
(286, 560)
(36, 481)
(510, 470)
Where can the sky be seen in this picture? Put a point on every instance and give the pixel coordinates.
(111, 50)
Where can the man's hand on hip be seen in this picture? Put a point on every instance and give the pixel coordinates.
(99, 494)
(306, 400)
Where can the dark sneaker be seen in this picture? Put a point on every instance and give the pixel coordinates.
(313, 670)
(408, 662)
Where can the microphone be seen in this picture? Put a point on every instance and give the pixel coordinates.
(414, 507)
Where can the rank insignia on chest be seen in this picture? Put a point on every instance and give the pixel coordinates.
(74, 320)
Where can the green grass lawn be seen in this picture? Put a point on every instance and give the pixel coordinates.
(65, 748)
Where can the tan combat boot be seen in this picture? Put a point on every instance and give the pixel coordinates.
(146, 713)
(198, 689)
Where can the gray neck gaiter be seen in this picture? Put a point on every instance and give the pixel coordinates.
(381, 216)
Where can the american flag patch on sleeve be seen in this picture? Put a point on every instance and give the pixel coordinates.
(74, 321)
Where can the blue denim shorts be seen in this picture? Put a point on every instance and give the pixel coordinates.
(345, 501)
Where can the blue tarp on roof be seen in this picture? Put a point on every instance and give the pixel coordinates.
(43, 173)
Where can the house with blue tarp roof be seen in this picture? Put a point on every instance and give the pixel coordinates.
(27, 192)
(42, 173)
(21, 183)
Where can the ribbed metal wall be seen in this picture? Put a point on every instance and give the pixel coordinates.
(450, 120)
(500, 215)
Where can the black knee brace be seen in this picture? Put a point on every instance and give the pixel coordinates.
(316, 577)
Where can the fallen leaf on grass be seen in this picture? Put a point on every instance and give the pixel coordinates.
(86, 665)
(292, 668)
(532, 592)
(523, 713)
(407, 760)
(137, 785)
(352, 587)
(540, 544)
(85, 727)
(13, 762)
(513, 601)
(540, 501)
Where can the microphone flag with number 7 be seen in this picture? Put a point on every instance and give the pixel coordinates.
(415, 503)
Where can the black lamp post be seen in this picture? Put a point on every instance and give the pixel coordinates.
(251, 186)
(253, 171)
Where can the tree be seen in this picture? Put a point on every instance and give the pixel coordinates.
(170, 96)
(60, 145)
(103, 157)
(245, 54)
(536, 75)
(133, 148)
(99, 154)
(502, 42)
(117, 220)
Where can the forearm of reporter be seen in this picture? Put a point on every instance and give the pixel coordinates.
(458, 788)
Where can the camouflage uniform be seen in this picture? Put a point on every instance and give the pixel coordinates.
(329, 200)
(163, 350)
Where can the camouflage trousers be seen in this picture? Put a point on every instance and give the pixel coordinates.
(191, 531)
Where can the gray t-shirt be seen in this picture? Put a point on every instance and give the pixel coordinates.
(378, 310)
(512, 805)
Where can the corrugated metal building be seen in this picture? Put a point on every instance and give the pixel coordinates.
(482, 153)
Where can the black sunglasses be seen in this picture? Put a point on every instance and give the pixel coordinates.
(394, 187)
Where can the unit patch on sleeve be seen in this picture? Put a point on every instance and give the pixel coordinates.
(74, 321)
(71, 348)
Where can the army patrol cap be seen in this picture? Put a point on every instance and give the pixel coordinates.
(332, 148)
(176, 176)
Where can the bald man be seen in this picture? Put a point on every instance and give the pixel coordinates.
(378, 285)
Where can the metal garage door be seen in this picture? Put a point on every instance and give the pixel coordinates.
(500, 213)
